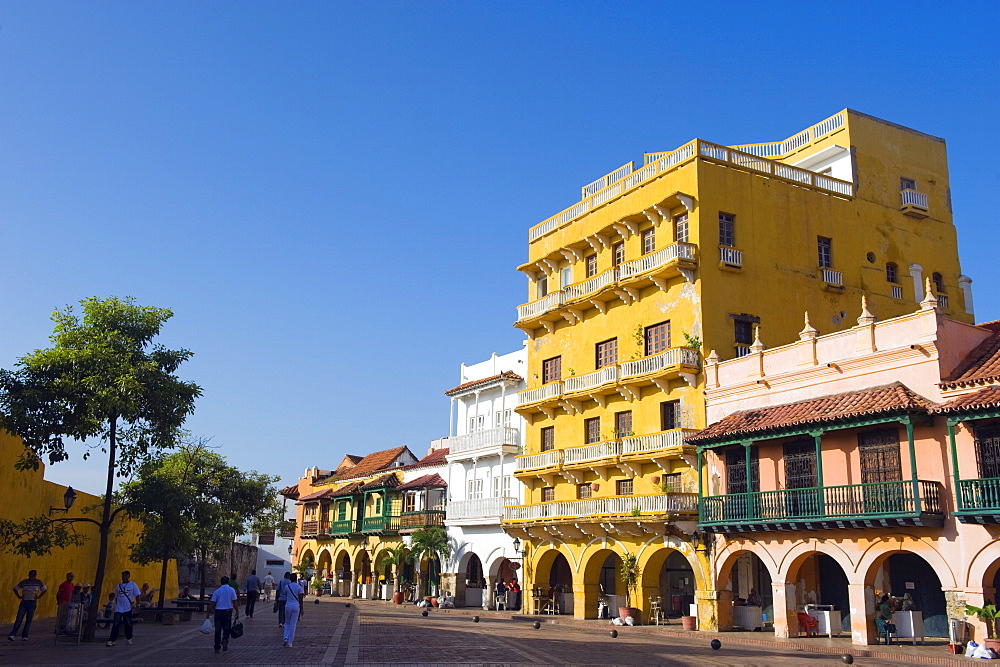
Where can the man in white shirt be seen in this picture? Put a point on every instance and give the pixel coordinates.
(268, 587)
(28, 592)
(125, 594)
(225, 601)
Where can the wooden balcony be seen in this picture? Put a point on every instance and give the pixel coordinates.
(410, 521)
(315, 528)
(978, 500)
(380, 525)
(879, 504)
(342, 528)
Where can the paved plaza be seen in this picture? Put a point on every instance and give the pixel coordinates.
(337, 632)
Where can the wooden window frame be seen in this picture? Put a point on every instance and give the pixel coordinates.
(618, 253)
(592, 431)
(727, 229)
(824, 250)
(606, 353)
(648, 238)
(651, 339)
(548, 439)
(591, 264)
(551, 369)
(624, 487)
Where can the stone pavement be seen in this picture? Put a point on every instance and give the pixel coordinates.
(339, 632)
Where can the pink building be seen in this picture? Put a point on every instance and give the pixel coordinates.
(840, 468)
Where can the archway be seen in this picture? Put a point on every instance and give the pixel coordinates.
(475, 582)
(742, 576)
(603, 591)
(363, 580)
(667, 575)
(903, 574)
(324, 566)
(819, 580)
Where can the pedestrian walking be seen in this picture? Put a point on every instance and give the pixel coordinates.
(126, 594)
(29, 591)
(226, 605)
(253, 592)
(64, 596)
(268, 586)
(281, 598)
(293, 610)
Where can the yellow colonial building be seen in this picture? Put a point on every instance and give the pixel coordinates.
(655, 265)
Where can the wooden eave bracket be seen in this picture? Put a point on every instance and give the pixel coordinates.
(687, 273)
(690, 378)
(627, 392)
(572, 476)
(549, 411)
(600, 305)
(601, 399)
(628, 467)
(663, 384)
(549, 326)
(624, 294)
(572, 407)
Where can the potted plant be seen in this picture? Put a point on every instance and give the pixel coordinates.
(629, 576)
(397, 557)
(988, 614)
(429, 543)
(317, 586)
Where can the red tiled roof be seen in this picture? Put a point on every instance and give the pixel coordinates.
(290, 491)
(424, 482)
(505, 375)
(981, 365)
(890, 398)
(369, 465)
(435, 458)
(348, 489)
(986, 398)
(325, 493)
(390, 481)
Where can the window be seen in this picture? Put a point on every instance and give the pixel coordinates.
(409, 502)
(607, 353)
(502, 418)
(378, 504)
(623, 487)
(623, 424)
(727, 229)
(275, 563)
(501, 486)
(618, 254)
(267, 538)
(891, 272)
(543, 287)
(548, 494)
(736, 470)
(591, 265)
(656, 338)
(681, 228)
(907, 184)
(648, 241)
(938, 281)
(988, 449)
(342, 510)
(743, 331)
(551, 370)
(565, 276)
(591, 430)
(670, 415)
(584, 491)
(475, 487)
(472, 424)
(548, 438)
(825, 246)
(880, 460)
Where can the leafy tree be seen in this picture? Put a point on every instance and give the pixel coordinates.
(396, 557)
(431, 542)
(102, 378)
(36, 536)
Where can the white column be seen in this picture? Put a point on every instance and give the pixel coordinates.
(965, 284)
(475, 419)
(917, 273)
(451, 418)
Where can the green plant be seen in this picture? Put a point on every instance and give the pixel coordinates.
(693, 342)
(640, 338)
(317, 585)
(636, 511)
(988, 614)
(629, 575)
(396, 557)
(572, 372)
(667, 487)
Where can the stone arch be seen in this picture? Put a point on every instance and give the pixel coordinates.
(307, 557)
(654, 577)
(730, 553)
(983, 567)
(815, 572)
(790, 563)
(879, 551)
(650, 553)
(918, 563)
(324, 564)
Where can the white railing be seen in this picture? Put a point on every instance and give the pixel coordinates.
(672, 357)
(543, 228)
(543, 460)
(942, 300)
(730, 256)
(591, 285)
(763, 166)
(656, 259)
(777, 148)
(479, 508)
(649, 443)
(676, 157)
(601, 450)
(831, 277)
(603, 182)
(742, 350)
(606, 195)
(914, 198)
(543, 305)
(666, 503)
(574, 212)
(638, 177)
(492, 437)
(591, 380)
(550, 390)
(897, 291)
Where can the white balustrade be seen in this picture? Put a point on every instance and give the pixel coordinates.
(829, 125)
(653, 442)
(897, 292)
(914, 198)
(603, 182)
(673, 357)
(591, 285)
(601, 450)
(492, 437)
(606, 195)
(574, 212)
(546, 391)
(543, 460)
(656, 259)
(676, 157)
(591, 380)
(666, 503)
(742, 350)
(730, 256)
(831, 277)
(478, 508)
(942, 300)
(545, 304)
(543, 228)
(638, 177)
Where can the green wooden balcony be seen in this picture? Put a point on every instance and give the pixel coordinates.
(380, 525)
(978, 500)
(882, 504)
(342, 528)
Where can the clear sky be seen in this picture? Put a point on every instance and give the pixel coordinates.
(333, 197)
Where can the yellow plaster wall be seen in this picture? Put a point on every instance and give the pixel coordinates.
(28, 494)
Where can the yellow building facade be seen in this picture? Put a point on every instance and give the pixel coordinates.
(660, 264)
(27, 494)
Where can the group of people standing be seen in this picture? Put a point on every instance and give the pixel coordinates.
(225, 605)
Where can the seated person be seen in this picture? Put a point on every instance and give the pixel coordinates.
(186, 594)
(146, 596)
(77, 594)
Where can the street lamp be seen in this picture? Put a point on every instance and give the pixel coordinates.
(364, 543)
(68, 499)
(517, 545)
(698, 541)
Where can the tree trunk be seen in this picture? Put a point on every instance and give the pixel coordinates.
(201, 572)
(105, 528)
(163, 575)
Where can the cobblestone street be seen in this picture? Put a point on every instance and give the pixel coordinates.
(379, 634)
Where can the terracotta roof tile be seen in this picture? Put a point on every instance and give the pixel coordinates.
(424, 482)
(506, 375)
(368, 465)
(987, 398)
(435, 458)
(390, 481)
(982, 364)
(347, 489)
(895, 397)
(290, 491)
(319, 495)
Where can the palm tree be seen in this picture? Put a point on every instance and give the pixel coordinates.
(429, 543)
(396, 557)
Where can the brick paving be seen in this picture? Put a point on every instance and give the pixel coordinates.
(375, 633)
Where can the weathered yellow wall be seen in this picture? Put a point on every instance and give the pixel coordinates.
(28, 494)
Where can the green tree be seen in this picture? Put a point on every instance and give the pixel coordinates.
(102, 378)
(396, 557)
(429, 543)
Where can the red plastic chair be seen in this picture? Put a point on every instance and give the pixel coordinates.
(810, 624)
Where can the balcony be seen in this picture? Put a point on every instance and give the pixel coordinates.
(532, 315)
(410, 521)
(879, 504)
(591, 454)
(914, 204)
(315, 528)
(655, 443)
(592, 287)
(622, 506)
(606, 375)
(658, 267)
(978, 500)
(544, 460)
(832, 280)
(730, 258)
(287, 530)
(503, 439)
(380, 525)
(533, 398)
(478, 510)
(342, 528)
(682, 362)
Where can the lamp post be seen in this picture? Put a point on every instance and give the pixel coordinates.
(68, 499)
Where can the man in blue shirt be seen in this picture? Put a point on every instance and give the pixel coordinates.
(225, 601)
(282, 597)
(253, 592)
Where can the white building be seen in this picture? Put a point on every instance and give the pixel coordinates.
(485, 435)
(274, 550)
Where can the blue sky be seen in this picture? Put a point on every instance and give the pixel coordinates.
(333, 197)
